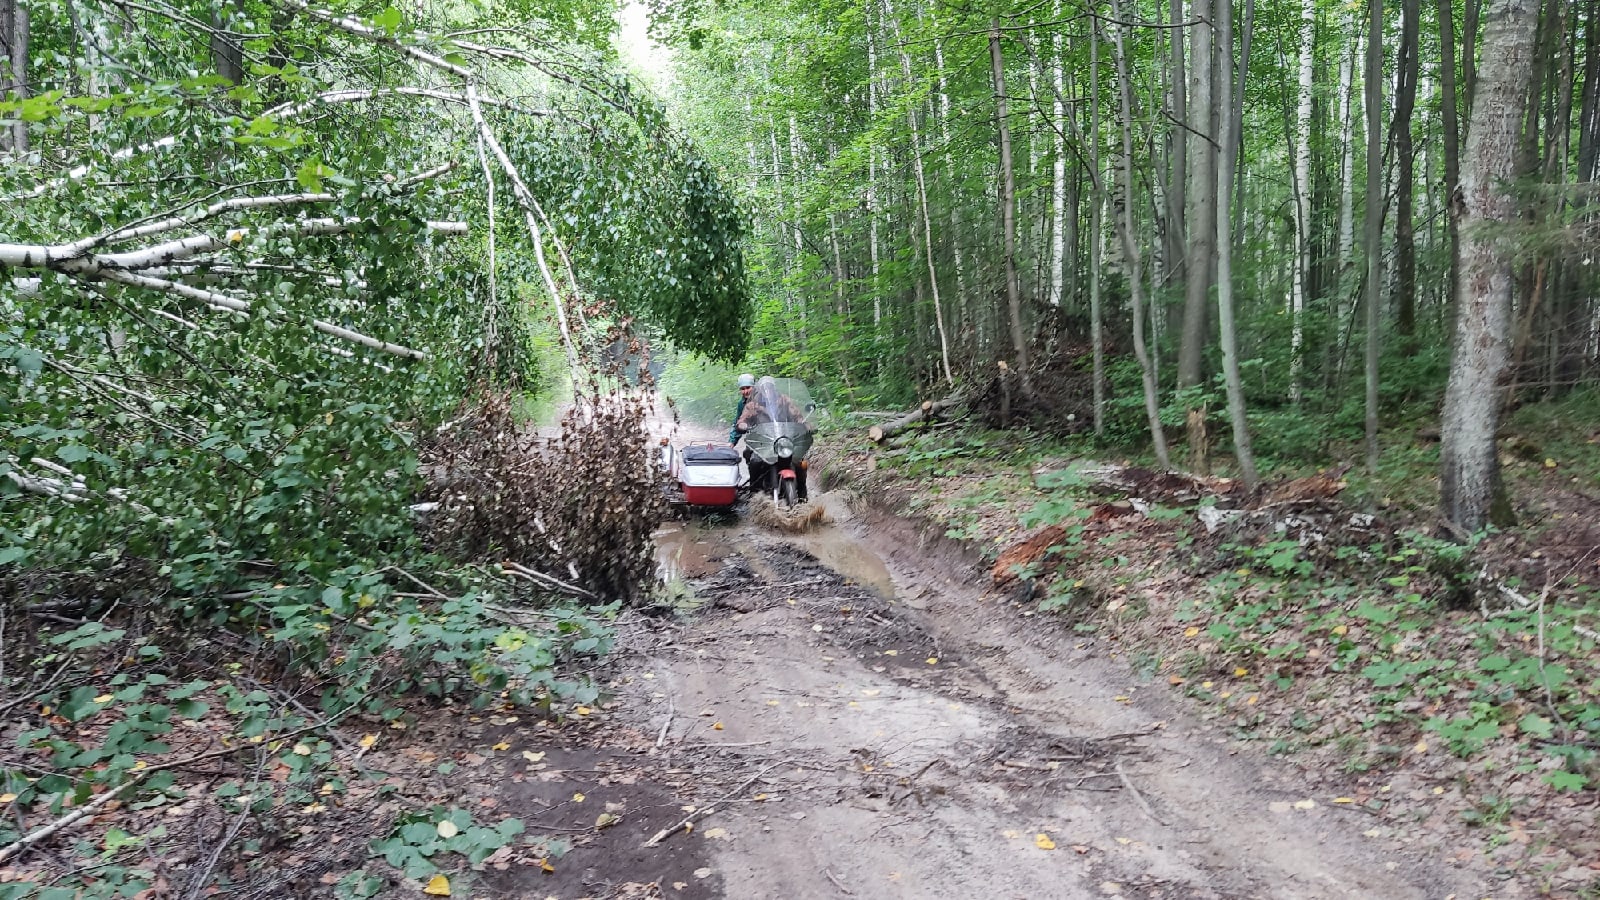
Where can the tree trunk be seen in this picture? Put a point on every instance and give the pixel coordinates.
(1405, 244)
(1225, 163)
(1008, 202)
(1202, 195)
(1373, 235)
(922, 200)
(1302, 196)
(1058, 176)
(1471, 492)
(1130, 249)
(1177, 145)
(14, 70)
(1448, 92)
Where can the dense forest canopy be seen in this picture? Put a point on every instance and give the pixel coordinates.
(941, 188)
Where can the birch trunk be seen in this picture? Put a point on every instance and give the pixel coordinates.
(1373, 234)
(922, 201)
(1008, 200)
(1302, 195)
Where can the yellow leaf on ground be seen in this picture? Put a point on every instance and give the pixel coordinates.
(1305, 804)
(583, 710)
(577, 798)
(531, 756)
(717, 726)
(1191, 631)
(1043, 842)
(7, 798)
(891, 653)
(368, 741)
(302, 750)
(545, 865)
(933, 660)
(1421, 747)
(438, 886)
(1344, 800)
(104, 698)
(448, 829)
(1341, 630)
(503, 745)
(1241, 672)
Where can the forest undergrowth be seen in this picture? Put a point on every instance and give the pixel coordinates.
(1441, 687)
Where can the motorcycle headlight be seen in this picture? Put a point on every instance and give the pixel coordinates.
(784, 447)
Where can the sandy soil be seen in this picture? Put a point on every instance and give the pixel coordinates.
(844, 713)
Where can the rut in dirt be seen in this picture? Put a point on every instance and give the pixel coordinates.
(906, 736)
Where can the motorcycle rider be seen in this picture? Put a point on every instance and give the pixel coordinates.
(765, 403)
(747, 386)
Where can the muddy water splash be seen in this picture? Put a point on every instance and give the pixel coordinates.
(692, 549)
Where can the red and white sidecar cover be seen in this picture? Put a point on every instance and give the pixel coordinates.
(708, 473)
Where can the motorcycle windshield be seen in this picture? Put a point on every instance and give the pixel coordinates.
(777, 421)
(786, 399)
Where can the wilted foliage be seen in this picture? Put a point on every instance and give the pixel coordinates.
(580, 506)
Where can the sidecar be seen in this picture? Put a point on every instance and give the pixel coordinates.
(706, 473)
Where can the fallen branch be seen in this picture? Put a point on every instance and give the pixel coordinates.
(689, 820)
(1134, 793)
(548, 581)
(1525, 603)
(929, 411)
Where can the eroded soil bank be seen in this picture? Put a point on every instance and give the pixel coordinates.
(884, 728)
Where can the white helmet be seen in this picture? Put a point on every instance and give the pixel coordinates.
(747, 380)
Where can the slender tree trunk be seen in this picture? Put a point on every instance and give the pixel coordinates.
(963, 298)
(1130, 249)
(1058, 176)
(14, 70)
(1225, 163)
(1373, 235)
(1471, 492)
(1177, 145)
(1008, 200)
(922, 200)
(1448, 92)
(1096, 230)
(1302, 194)
(1405, 244)
(872, 180)
(1202, 195)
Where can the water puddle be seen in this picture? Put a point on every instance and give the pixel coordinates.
(686, 550)
(846, 554)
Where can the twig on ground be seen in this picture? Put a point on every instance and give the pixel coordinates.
(707, 810)
(432, 591)
(836, 883)
(197, 882)
(1134, 793)
(548, 581)
(717, 746)
(661, 739)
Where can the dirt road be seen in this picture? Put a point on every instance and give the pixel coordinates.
(932, 742)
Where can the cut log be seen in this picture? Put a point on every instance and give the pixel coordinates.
(928, 412)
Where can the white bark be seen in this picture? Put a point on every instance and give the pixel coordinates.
(1302, 197)
(1225, 320)
(922, 200)
(532, 213)
(1058, 253)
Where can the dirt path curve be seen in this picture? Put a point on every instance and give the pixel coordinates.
(911, 737)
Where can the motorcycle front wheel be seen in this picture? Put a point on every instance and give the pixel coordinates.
(790, 493)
